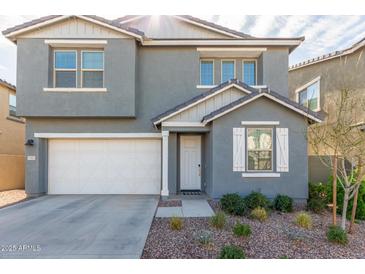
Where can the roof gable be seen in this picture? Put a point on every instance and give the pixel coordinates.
(272, 95)
(71, 26)
(226, 86)
(179, 27)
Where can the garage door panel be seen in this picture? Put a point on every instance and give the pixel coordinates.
(124, 166)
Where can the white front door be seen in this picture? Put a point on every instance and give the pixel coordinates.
(190, 162)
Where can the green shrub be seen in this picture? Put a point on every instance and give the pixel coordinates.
(316, 205)
(233, 203)
(242, 230)
(218, 220)
(259, 213)
(318, 197)
(256, 199)
(360, 210)
(318, 191)
(231, 252)
(336, 234)
(204, 237)
(283, 203)
(176, 223)
(304, 220)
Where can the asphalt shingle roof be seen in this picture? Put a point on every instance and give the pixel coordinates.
(201, 96)
(94, 17)
(257, 93)
(7, 84)
(254, 93)
(200, 21)
(331, 55)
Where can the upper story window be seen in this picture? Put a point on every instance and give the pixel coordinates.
(309, 95)
(228, 70)
(206, 72)
(65, 69)
(259, 149)
(12, 105)
(249, 72)
(92, 69)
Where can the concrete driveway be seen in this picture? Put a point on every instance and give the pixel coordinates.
(77, 226)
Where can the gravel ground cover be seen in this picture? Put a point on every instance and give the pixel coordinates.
(11, 196)
(170, 203)
(278, 237)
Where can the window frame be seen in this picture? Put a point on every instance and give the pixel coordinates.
(305, 87)
(272, 151)
(234, 68)
(243, 70)
(55, 69)
(9, 106)
(82, 69)
(200, 72)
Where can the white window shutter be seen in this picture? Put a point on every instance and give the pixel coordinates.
(282, 150)
(238, 149)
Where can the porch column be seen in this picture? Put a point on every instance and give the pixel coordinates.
(165, 163)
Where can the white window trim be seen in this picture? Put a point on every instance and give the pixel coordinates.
(75, 90)
(303, 87)
(260, 123)
(200, 72)
(243, 70)
(213, 86)
(234, 68)
(272, 151)
(54, 65)
(260, 175)
(82, 69)
(205, 86)
(75, 43)
(9, 105)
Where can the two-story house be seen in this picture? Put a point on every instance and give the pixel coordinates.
(317, 84)
(157, 105)
(12, 134)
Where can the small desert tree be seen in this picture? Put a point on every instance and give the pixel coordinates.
(340, 144)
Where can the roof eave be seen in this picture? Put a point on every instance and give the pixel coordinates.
(12, 35)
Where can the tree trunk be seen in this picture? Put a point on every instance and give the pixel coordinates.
(353, 213)
(334, 191)
(344, 209)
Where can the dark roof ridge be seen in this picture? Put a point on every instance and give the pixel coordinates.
(7, 84)
(49, 17)
(317, 115)
(327, 56)
(203, 95)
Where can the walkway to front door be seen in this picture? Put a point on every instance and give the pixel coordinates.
(189, 208)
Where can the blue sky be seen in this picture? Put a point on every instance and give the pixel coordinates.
(323, 34)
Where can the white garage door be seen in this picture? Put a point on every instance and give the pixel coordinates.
(120, 166)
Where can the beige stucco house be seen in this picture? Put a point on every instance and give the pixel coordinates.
(317, 83)
(12, 130)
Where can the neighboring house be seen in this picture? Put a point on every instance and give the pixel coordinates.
(12, 134)
(157, 105)
(317, 83)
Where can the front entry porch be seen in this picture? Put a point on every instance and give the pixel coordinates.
(184, 162)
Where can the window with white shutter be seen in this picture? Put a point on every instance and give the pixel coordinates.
(282, 150)
(239, 149)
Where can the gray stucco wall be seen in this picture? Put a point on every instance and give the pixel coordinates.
(293, 183)
(275, 69)
(34, 67)
(161, 78)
